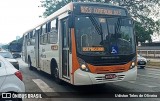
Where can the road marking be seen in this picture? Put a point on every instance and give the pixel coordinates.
(149, 76)
(43, 86)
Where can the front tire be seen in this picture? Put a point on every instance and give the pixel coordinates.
(55, 73)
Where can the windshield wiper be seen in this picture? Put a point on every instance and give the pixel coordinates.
(97, 26)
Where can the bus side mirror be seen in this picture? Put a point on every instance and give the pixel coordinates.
(0, 64)
(70, 21)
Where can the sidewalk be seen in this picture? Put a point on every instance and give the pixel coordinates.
(153, 61)
(155, 67)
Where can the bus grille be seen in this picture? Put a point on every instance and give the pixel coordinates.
(103, 79)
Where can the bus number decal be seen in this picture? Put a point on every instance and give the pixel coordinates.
(54, 47)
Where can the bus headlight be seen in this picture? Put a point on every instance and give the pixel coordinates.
(133, 64)
(83, 65)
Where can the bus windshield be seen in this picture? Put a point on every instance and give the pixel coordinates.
(104, 36)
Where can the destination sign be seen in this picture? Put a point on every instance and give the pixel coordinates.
(102, 10)
(93, 49)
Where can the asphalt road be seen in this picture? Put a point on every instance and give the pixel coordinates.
(148, 80)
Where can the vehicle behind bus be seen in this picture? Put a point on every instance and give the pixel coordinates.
(15, 49)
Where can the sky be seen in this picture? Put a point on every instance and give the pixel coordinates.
(17, 16)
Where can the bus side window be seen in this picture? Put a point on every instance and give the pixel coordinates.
(31, 36)
(32, 40)
(28, 39)
(34, 32)
(25, 39)
(48, 31)
(48, 27)
(53, 35)
(43, 36)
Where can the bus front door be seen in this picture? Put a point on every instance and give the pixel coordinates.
(65, 50)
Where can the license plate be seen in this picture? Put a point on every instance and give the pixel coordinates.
(141, 62)
(110, 76)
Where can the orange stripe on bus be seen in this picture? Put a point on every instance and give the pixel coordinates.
(75, 64)
(109, 69)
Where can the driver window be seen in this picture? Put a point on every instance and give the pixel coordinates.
(53, 36)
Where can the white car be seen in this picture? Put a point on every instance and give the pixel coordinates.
(141, 61)
(10, 80)
(10, 58)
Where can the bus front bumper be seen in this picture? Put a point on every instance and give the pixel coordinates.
(87, 78)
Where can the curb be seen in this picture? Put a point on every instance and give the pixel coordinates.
(156, 67)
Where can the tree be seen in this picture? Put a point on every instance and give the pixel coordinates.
(16, 45)
(5, 46)
(140, 10)
(141, 34)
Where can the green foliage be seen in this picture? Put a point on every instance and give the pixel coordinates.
(20, 41)
(140, 10)
(5, 47)
(52, 6)
(142, 34)
(16, 45)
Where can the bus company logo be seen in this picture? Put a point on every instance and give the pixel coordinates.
(6, 95)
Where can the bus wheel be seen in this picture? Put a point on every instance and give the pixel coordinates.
(30, 64)
(56, 75)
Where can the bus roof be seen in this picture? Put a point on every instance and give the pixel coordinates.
(70, 7)
(96, 3)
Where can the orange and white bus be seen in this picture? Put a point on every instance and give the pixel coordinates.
(84, 44)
